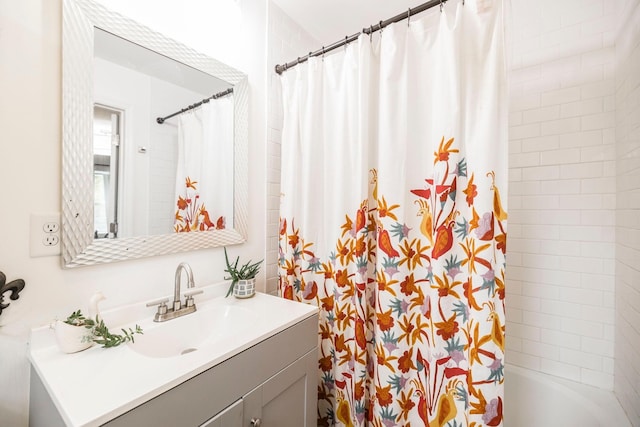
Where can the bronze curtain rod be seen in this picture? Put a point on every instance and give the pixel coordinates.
(373, 28)
(160, 120)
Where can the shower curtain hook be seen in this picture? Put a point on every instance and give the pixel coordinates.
(323, 53)
(370, 33)
(346, 42)
(409, 16)
(441, 4)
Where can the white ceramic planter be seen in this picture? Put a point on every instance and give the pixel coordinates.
(72, 339)
(245, 288)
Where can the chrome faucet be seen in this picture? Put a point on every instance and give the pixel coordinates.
(165, 313)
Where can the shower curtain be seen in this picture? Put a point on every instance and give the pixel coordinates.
(393, 222)
(204, 177)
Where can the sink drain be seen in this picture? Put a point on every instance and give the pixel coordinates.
(187, 350)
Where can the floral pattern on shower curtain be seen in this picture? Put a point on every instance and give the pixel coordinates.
(393, 221)
(204, 172)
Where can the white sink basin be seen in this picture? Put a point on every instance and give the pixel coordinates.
(220, 329)
(205, 327)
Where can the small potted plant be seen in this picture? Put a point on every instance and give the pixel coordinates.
(243, 279)
(78, 333)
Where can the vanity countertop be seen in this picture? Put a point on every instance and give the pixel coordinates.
(96, 385)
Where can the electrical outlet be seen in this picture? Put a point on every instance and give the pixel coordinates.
(51, 226)
(44, 234)
(51, 240)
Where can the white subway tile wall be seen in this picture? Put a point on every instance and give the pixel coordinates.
(562, 194)
(627, 260)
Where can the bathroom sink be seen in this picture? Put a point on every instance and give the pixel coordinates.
(205, 327)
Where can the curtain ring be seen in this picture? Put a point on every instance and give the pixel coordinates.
(441, 4)
(323, 53)
(370, 33)
(346, 42)
(380, 25)
(409, 16)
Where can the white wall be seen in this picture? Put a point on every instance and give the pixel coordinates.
(627, 367)
(30, 150)
(560, 291)
(287, 41)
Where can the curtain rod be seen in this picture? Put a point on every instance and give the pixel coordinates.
(160, 120)
(373, 28)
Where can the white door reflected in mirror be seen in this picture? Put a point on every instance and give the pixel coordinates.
(106, 171)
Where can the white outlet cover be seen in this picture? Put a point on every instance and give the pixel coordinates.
(41, 242)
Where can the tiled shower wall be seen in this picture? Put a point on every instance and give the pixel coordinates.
(560, 275)
(627, 368)
(287, 40)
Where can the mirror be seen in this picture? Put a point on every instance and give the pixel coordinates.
(124, 197)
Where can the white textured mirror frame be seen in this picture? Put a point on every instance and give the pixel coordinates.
(78, 245)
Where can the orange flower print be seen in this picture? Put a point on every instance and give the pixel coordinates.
(342, 278)
(383, 210)
(190, 184)
(384, 396)
(182, 203)
(325, 332)
(385, 320)
(406, 404)
(325, 363)
(444, 150)
(448, 328)
(408, 286)
(405, 362)
(327, 303)
(294, 239)
(192, 214)
(471, 191)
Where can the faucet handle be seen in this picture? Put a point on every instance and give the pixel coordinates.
(161, 303)
(188, 294)
(192, 292)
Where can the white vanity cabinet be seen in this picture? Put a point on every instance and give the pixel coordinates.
(270, 384)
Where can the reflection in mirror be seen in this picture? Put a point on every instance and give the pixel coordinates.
(106, 171)
(135, 186)
(152, 198)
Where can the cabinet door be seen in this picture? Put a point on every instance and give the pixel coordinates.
(288, 399)
(230, 417)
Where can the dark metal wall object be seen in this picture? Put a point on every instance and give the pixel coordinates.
(160, 120)
(15, 286)
(348, 39)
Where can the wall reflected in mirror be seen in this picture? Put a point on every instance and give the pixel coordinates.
(146, 181)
